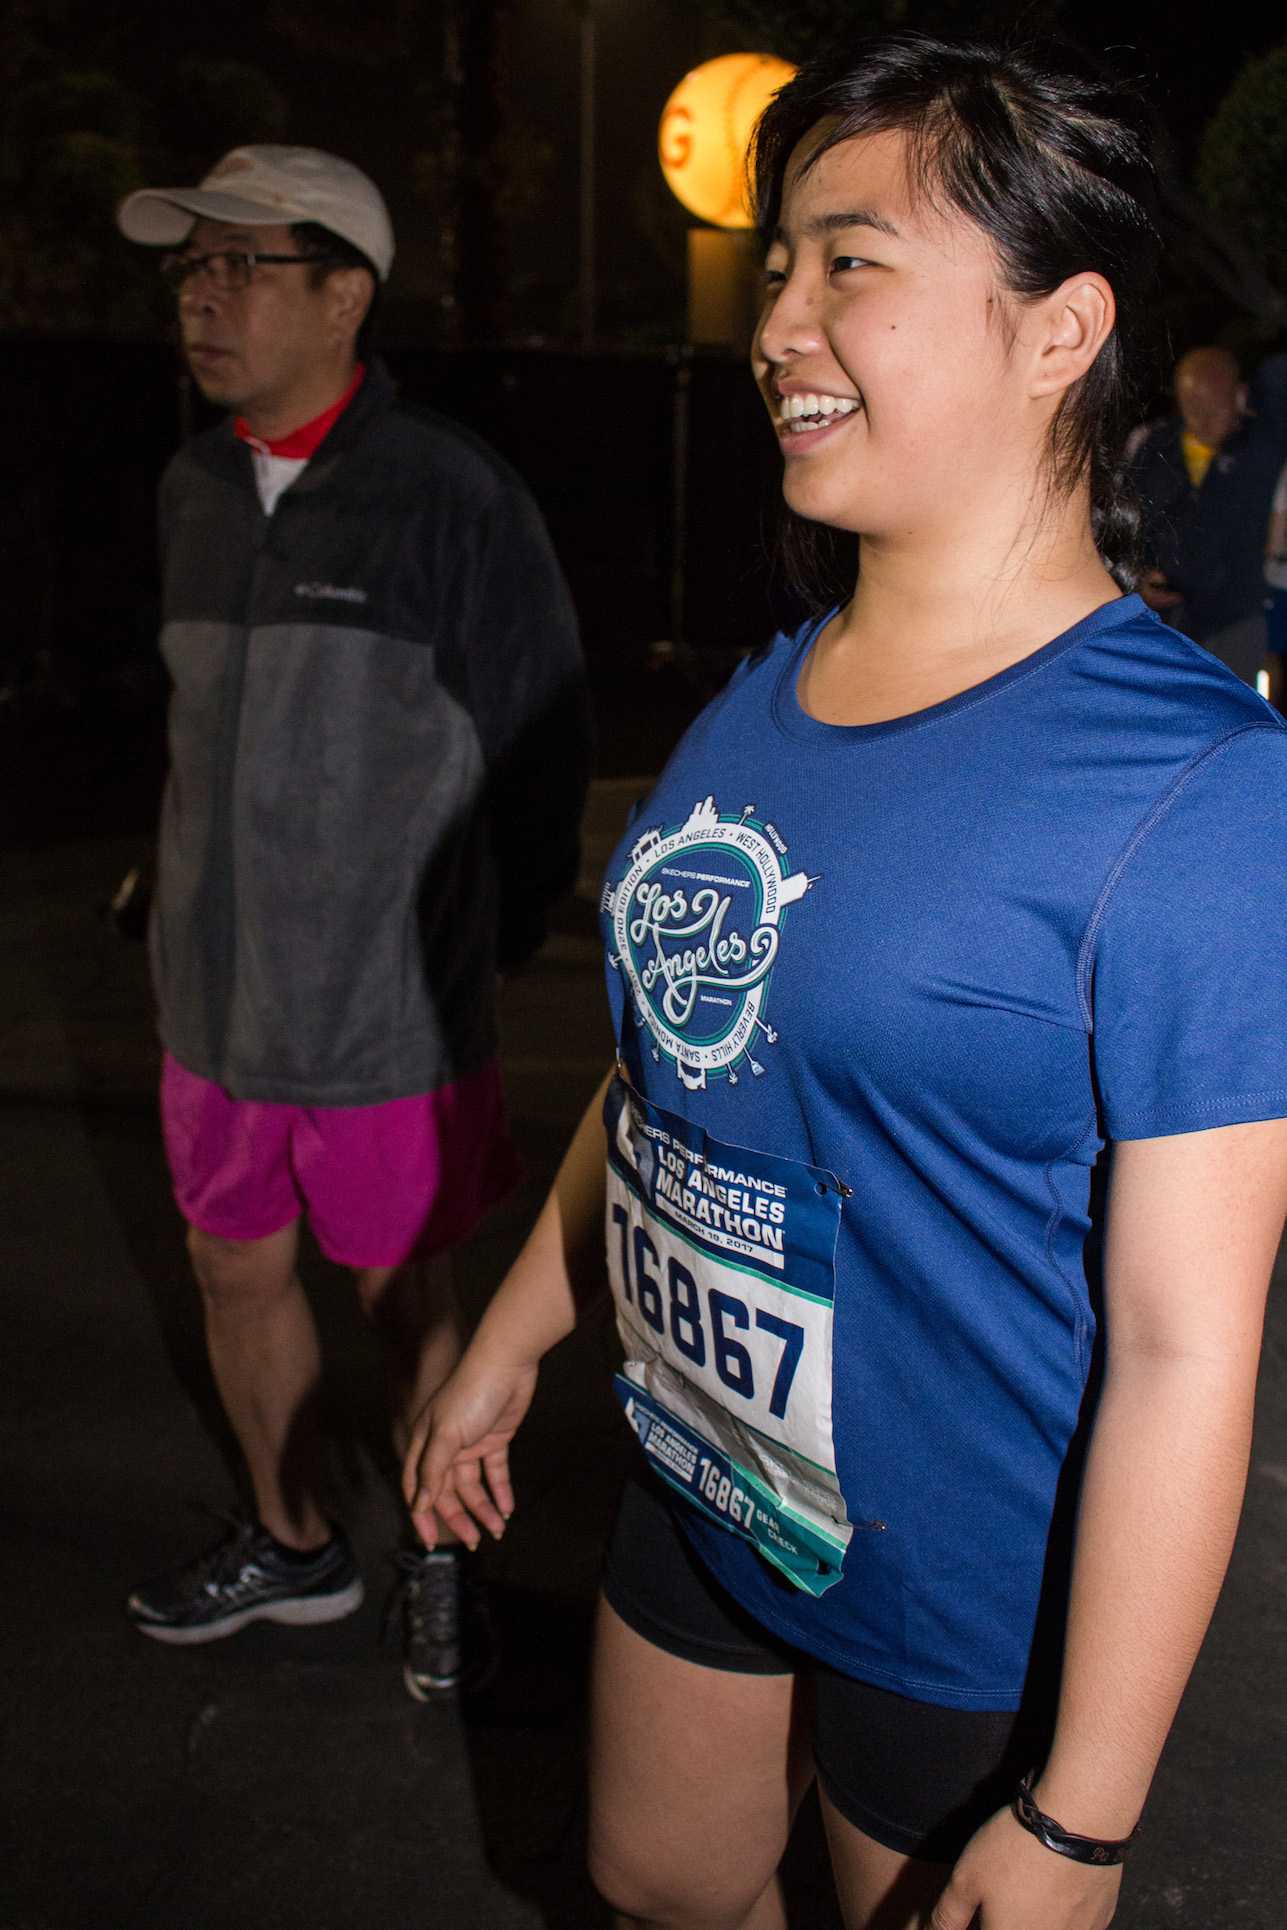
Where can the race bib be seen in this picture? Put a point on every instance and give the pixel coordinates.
(722, 1263)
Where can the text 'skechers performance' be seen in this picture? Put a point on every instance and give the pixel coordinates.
(722, 1264)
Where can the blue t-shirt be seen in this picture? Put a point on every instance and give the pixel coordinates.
(1047, 913)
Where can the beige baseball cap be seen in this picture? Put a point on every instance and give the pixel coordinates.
(268, 185)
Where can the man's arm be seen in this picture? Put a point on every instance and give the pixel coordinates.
(532, 709)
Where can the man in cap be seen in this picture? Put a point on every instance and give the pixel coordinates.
(1206, 479)
(378, 759)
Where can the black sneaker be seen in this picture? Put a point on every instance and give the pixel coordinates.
(447, 1637)
(244, 1578)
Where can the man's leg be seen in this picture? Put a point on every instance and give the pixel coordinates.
(447, 1636)
(289, 1565)
(267, 1365)
(379, 1181)
(413, 1308)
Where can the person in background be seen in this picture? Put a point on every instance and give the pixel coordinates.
(1267, 394)
(378, 758)
(1205, 477)
(1267, 398)
(979, 869)
(1276, 600)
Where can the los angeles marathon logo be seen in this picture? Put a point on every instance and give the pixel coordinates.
(697, 922)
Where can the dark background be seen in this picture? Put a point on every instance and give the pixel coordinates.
(467, 112)
(283, 1779)
(651, 461)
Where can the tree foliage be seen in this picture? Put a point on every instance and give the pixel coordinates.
(427, 95)
(70, 151)
(801, 30)
(101, 100)
(1242, 167)
(93, 108)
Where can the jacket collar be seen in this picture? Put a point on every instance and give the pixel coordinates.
(224, 451)
(303, 443)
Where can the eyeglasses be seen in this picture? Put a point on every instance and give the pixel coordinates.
(228, 269)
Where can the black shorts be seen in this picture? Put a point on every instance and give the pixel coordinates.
(915, 1776)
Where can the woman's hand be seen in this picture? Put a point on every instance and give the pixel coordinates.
(1006, 1880)
(456, 1474)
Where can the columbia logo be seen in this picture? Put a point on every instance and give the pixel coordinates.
(331, 592)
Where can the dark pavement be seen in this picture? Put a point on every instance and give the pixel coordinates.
(283, 1778)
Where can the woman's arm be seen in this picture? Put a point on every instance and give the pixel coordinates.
(1193, 1226)
(457, 1468)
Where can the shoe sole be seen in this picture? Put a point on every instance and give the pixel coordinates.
(469, 1682)
(425, 1688)
(306, 1611)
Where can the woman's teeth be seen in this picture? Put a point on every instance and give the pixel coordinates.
(801, 413)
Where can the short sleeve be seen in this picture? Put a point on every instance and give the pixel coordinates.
(1188, 973)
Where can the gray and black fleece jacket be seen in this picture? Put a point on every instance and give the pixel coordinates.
(379, 748)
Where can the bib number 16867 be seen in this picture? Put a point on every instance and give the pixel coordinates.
(677, 1308)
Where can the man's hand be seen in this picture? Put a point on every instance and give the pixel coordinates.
(1007, 1880)
(456, 1474)
(1157, 592)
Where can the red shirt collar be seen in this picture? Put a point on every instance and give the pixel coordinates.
(301, 443)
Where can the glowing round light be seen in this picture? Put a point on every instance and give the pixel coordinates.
(706, 129)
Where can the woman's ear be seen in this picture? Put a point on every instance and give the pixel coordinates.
(1073, 324)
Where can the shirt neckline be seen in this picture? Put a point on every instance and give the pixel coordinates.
(302, 443)
(791, 717)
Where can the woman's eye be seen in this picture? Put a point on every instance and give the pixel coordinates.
(842, 263)
(774, 277)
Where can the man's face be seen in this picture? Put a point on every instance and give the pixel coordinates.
(263, 349)
(1210, 397)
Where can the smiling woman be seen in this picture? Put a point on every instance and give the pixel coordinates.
(1011, 888)
(1044, 169)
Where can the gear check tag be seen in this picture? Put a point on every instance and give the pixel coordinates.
(722, 1264)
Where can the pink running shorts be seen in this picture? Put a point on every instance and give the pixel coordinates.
(379, 1183)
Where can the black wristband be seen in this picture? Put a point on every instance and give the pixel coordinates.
(1081, 1849)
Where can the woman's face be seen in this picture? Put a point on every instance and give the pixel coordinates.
(884, 351)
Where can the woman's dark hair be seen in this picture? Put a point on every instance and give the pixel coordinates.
(1052, 163)
(335, 252)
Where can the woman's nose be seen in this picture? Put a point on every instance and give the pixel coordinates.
(791, 324)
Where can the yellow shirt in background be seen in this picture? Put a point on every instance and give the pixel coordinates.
(1197, 458)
